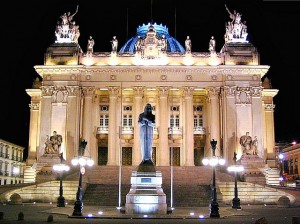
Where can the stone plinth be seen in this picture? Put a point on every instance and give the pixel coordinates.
(146, 195)
(49, 159)
(253, 166)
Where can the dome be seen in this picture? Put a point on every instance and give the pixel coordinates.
(172, 44)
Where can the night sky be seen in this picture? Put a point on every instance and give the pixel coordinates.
(27, 29)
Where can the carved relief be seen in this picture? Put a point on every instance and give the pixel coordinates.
(163, 77)
(138, 77)
(243, 95)
(112, 77)
(189, 78)
(60, 94)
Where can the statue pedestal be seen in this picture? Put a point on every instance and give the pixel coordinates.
(253, 169)
(146, 195)
(49, 159)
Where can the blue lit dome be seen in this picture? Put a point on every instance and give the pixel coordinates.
(172, 44)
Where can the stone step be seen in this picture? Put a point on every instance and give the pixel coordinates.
(183, 195)
(250, 193)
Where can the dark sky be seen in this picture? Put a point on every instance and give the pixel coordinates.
(27, 29)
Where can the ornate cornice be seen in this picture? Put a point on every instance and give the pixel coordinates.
(162, 70)
(269, 107)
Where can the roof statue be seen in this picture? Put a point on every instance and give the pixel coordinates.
(236, 30)
(66, 30)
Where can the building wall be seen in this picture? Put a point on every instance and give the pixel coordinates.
(11, 163)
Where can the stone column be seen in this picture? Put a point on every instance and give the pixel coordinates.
(230, 132)
(163, 151)
(138, 108)
(270, 132)
(87, 122)
(34, 125)
(112, 126)
(45, 121)
(214, 123)
(188, 127)
(257, 112)
(73, 121)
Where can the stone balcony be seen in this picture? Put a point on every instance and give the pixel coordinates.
(175, 133)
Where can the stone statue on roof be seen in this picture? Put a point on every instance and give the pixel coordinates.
(66, 30)
(236, 30)
(188, 45)
(114, 44)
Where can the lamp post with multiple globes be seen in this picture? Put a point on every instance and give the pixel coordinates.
(214, 161)
(235, 168)
(82, 161)
(60, 168)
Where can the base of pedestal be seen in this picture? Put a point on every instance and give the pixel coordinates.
(146, 195)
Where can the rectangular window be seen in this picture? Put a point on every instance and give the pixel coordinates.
(104, 120)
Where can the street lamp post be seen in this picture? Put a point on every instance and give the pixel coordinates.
(80, 160)
(60, 168)
(281, 179)
(235, 168)
(214, 161)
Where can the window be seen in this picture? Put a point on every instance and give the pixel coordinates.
(198, 121)
(127, 120)
(174, 121)
(104, 120)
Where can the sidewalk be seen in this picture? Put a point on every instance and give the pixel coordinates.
(178, 213)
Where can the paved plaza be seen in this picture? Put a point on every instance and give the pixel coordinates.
(39, 213)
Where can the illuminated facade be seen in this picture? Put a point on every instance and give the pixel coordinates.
(196, 97)
(11, 163)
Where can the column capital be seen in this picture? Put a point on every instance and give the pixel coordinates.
(230, 90)
(269, 107)
(163, 91)
(59, 94)
(47, 90)
(113, 91)
(256, 91)
(73, 90)
(213, 91)
(88, 91)
(138, 90)
(34, 106)
(188, 91)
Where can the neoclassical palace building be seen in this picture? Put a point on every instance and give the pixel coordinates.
(196, 97)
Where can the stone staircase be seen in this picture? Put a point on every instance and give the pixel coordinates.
(272, 176)
(191, 185)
